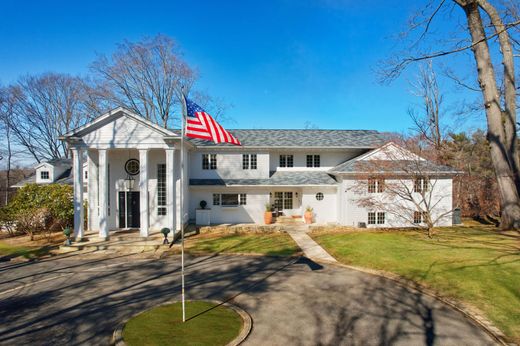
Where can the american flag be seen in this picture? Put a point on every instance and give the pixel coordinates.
(200, 124)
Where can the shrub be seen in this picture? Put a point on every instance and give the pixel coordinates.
(36, 208)
(7, 221)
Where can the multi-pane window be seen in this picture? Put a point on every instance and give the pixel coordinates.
(283, 200)
(249, 161)
(376, 185)
(229, 199)
(209, 161)
(419, 216)
(86, 175)
(313, 160)
(44, 175)
(380, 218)
(371, 218)
(161, 189)
(216, 199)
(286, 161)
(376, 218)
(421, 185)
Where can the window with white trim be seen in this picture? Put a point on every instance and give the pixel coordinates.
(380, 218)
(242, 199)
(86, 175)
(313, 161)
(161, 189)
(421, 184)
(371, 218)
(376, 218)
(44, 175)
(419, 216)
(376, 185)
(286, 160)
(249, 161)
(209, 161)
(216, 199)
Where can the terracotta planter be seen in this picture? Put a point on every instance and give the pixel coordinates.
(308, 216)
(268, 217)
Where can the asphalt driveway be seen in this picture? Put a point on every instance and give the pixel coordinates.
(75, 299)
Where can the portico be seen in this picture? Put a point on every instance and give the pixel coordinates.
(133, 175)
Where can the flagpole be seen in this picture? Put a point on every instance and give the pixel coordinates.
(184, 111)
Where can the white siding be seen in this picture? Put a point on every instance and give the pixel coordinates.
(252, 212)
(328, 159)
(352, 214)
(122, 132)
(324, 210)
(229, 166)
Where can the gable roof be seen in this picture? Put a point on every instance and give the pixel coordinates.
(113, 114)
(391, 158)
(279, 138)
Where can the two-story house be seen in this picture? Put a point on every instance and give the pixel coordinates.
(134, 175)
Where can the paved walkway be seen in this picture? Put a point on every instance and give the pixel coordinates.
(78, 300)
(310, 248)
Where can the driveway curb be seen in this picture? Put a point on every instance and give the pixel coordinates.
(470, 312)
(117, 336)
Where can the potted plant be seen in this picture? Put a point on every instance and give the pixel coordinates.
(165, 232)
(203, 204)
(308, 214)
(268, 215)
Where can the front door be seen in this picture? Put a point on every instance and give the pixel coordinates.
(283, 200)
(129, 212)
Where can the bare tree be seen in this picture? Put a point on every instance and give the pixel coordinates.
(145, 77)
(427, 121)
(6, 123)
(405, 187)
(44, 108)
(500, 107)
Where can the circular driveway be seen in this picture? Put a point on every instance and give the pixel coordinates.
(79, 299)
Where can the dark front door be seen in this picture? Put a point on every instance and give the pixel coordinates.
(129, 212)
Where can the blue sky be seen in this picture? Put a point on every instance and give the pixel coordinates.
(279, 63)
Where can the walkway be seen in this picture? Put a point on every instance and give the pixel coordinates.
(78, 300)
(310, 248)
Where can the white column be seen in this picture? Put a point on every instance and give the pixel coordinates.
(92, 188)
(178, 192)
(77, 165)
(170, 190)
(103, 193)
(143, 191)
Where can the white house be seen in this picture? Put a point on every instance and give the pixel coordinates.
(134, 175)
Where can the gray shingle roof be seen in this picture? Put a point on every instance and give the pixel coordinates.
(303, 138)
(285, 178)
(394, 166)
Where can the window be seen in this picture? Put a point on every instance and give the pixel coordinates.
(249, 161)
(86, 175)
(286, 161)
(229, 199)
(216, 199)
(376, 218)
(313, 160)
(319, 196)
(243, 199)
(419, 216)
(421, 185)
(371, 218)
(209, 161)
(132, 167)
(283, 200)
(161, 189)
(44, 175)
(376, 185)
(380, 218)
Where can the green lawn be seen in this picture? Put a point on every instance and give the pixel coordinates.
(27, 252)
(206, 324)
(280, 244)
(476, 265)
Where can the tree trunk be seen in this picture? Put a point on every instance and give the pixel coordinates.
(499, 149)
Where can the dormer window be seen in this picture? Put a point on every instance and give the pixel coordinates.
(44, 175)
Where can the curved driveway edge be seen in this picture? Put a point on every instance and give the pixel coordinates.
(470, 312)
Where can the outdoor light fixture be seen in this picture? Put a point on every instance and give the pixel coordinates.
(129, 182)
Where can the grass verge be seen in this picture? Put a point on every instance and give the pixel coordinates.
(477, 265)
(11, 251)
(206, 324)
(274, 244)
